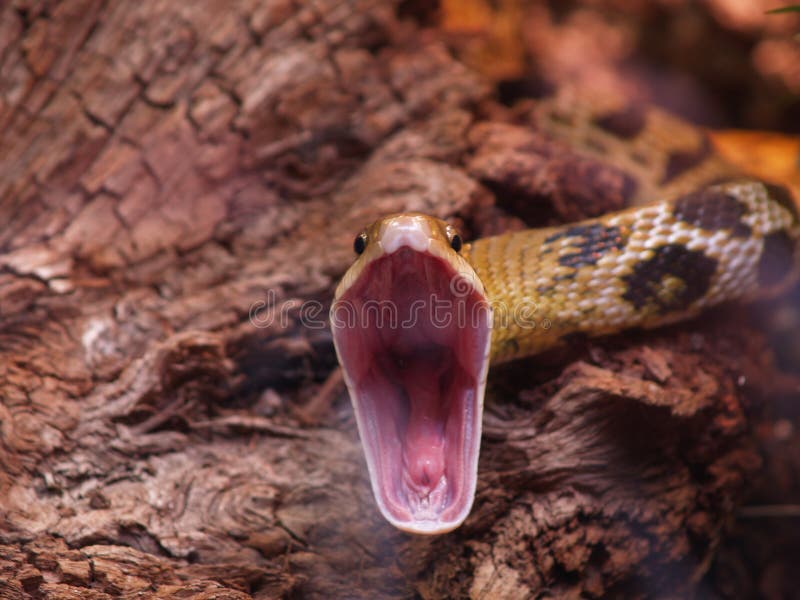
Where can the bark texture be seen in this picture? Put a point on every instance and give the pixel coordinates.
(176, 180)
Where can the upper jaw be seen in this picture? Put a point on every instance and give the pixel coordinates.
(412, 231)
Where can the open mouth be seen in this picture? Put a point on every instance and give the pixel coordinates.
(414, 349)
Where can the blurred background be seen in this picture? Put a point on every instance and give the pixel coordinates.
(719, 63)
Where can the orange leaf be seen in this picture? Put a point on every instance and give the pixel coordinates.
(488, 35)
(771, 156)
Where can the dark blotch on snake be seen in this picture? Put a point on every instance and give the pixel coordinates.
(777, 258)
(713, 210)
(680, 162)
(625, 123)
(645, 283)
(592, 242)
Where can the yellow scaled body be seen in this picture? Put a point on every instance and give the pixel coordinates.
(645, 266)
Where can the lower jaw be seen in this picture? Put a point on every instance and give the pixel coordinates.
(413, 501)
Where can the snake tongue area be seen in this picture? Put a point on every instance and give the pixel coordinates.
(414, 351)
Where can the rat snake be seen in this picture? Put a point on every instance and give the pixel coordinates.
(419, 315)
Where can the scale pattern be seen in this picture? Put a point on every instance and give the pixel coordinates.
(644, 266)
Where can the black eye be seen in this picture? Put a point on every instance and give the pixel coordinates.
(360, 244)
(455, 242)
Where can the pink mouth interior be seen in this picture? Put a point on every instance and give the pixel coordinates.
(414, 351)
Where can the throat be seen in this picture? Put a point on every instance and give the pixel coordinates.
(423, 379)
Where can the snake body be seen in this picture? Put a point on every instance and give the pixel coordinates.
(418, 392)
(646, 266)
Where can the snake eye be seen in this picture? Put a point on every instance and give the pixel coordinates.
(360, 243)
(455, 242)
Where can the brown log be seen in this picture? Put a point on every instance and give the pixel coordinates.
(180, 183)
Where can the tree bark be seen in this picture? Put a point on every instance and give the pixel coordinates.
(180, 186)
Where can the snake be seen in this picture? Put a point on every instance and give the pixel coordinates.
(420, 315)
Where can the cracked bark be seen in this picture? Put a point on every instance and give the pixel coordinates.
(176, 179)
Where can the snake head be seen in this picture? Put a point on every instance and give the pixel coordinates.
(412, 328)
